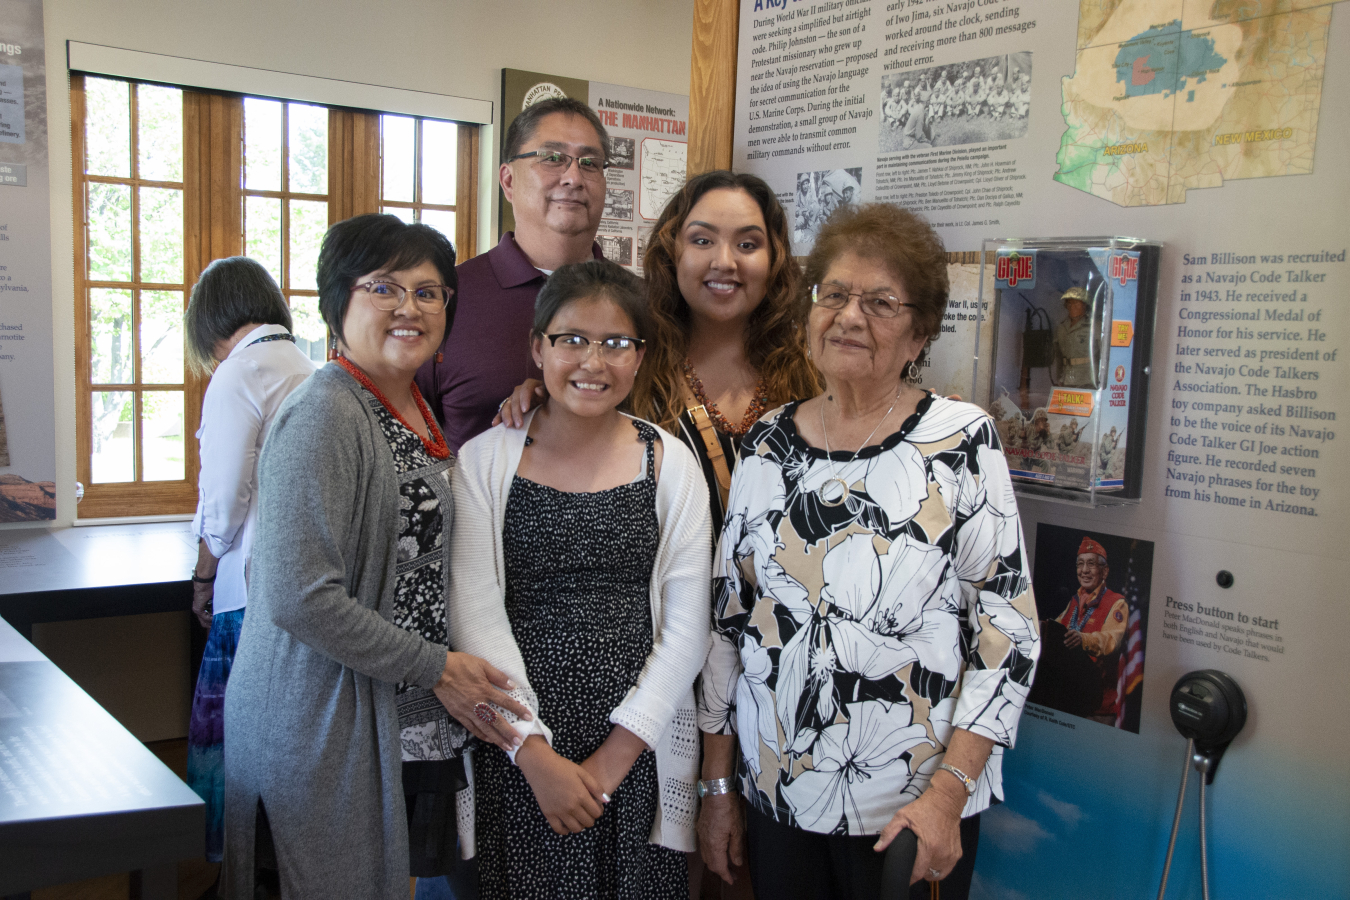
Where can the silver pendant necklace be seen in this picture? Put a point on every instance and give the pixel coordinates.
(842, 489)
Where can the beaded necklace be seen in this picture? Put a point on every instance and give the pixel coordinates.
(1086, 607)
(437, 448)
(757, 405)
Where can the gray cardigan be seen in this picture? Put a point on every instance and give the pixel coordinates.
(311, 727)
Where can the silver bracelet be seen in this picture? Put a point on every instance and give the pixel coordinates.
(965, 779)
(714, 786)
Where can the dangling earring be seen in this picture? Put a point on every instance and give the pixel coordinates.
(332, 348)
(440, 357)
(912, 372)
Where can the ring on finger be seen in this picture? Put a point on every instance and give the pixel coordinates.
(485, 713)
(503, 404)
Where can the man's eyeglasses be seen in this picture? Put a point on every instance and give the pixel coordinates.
(387, 296)
(620, 351)
(873, 303)
(553, 160)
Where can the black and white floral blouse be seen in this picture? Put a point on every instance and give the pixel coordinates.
(426, 730)
(851, 640)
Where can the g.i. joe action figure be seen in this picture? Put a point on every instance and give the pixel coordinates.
(1073, 354)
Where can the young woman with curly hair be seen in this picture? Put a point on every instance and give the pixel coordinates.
(729, 321)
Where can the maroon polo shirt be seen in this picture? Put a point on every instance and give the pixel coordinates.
(487, 352)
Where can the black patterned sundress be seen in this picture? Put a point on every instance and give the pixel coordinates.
(578, 580)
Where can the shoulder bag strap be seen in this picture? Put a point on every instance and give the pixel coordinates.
(708, 433)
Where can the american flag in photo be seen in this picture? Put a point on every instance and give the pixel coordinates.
(1130, 668)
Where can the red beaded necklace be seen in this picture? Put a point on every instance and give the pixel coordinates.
(437, 448)
(757, 405)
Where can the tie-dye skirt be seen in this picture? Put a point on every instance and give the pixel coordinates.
(206, 730)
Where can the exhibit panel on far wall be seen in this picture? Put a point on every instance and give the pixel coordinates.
(648, 140)
(27, 416)
(1215, 132)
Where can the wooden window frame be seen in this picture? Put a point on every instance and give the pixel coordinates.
(465, 206)
(137, 497)
(286, 195)
(213, 227)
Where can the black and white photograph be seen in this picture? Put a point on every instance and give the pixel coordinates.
(621, 153)
(617, 248)
(960, 103)
(618, 204)
(1092, 593)
(819, 194)
(644, 238)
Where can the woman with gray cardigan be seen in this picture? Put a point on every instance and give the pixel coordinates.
(343, 678)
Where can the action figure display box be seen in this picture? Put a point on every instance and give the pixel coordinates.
(1068, 367)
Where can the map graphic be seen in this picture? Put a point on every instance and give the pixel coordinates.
(1170, 95)
(662, 174)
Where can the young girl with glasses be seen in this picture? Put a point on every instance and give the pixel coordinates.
(581, 569)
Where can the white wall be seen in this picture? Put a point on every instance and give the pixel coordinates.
(456, 47)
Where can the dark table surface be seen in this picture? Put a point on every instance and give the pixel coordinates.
(91, 572)
(79, 796)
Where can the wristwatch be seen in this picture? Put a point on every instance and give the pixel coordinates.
(714, 786)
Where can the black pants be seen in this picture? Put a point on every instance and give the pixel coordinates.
(787, 863)
(433, 831)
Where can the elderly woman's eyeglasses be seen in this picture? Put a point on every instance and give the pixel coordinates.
(387, 296)
(873, 303)
(555, 161)
(619, 351)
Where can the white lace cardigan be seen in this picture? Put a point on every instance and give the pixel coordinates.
(660, 707)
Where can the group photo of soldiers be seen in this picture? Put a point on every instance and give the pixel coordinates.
(818, 194)
(959, 103)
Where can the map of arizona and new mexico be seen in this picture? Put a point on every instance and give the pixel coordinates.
(1169, 95)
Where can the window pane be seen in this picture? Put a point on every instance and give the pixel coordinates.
(162, 414)
(397, 153)
(109, 232)
(110, 336)
(440, 151)
(107, 127)
(262, 233)
(114, 458)
(159, 113)
(161, 235)
(309, 148)
(310, 333)
(309, 221)
(403, 212)
(161, 337)
(262, 144)
(442, 221)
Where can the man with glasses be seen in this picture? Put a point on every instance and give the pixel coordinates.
(553, 174)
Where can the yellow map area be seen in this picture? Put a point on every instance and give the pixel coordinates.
(1169, 95)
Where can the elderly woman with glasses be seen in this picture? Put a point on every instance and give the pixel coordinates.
(875, 631)
(344, 694)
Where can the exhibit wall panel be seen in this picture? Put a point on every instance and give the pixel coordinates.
(455, 48)
(27, 439)
(1218, 131)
